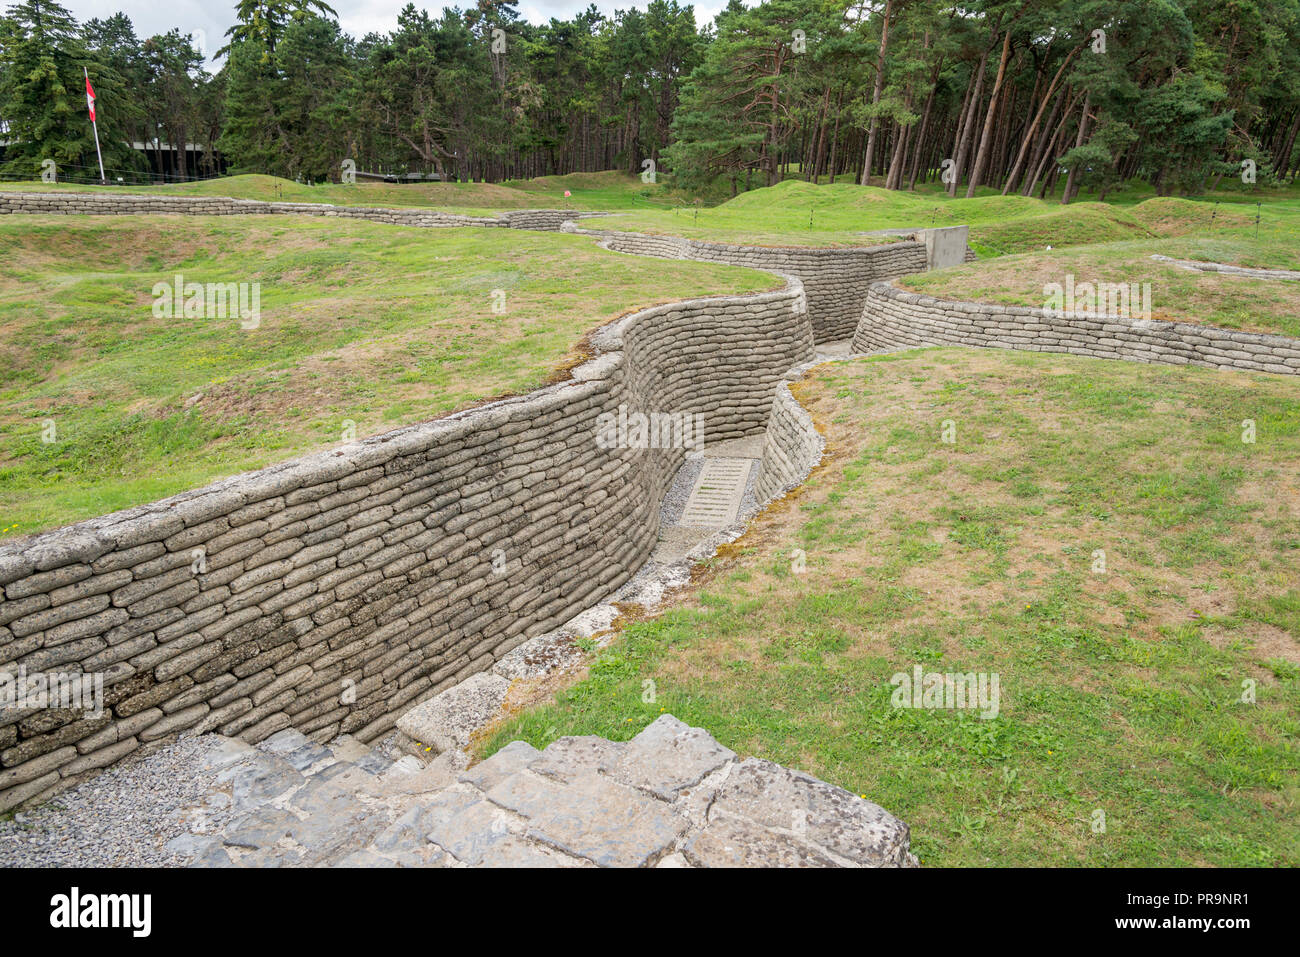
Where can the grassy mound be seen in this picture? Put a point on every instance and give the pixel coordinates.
(796, 213)
(610, 190)
(607, 190)
(1215, 299)
(1169, 216)
(1097, 535)
(792, 213)
(801, 214)
(363, 328)
(1056, 226)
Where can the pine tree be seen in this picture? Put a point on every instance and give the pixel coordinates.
(42, 95)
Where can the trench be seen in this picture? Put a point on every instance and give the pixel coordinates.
(399, 566)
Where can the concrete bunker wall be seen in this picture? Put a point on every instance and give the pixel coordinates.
(331, 592)
(894, 318)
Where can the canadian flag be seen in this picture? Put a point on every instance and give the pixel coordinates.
(90, 99)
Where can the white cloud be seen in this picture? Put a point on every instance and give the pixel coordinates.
(357, 17)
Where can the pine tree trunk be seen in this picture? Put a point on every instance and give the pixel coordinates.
(1033, 127)
(965, 129)
(894, 178)
(835, 137)
(1006, 115)
(1047, 138)
(1080, 138)
(1048, 150)
(819, 151)
(982, 154)
(1283, 162)
(875, 96)
(921, 145)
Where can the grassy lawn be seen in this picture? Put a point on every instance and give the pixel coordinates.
(795, 213)
(361, 323)
(1129, 193)
(800, 214)
(1215, 299)
(1098, 535)
(608, 190)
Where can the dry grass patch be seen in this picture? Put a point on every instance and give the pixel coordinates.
(1176, 294)
(363, 328)
(981, 556)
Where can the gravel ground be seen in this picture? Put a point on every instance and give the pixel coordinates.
(674, 503)
(125, 815)
(120, 818)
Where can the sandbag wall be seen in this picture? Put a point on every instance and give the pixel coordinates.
(835, 280)
(331, 592)
(894, 318)
(793, 446)
(129, 204)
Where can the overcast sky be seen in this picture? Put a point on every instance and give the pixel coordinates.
(209, 19)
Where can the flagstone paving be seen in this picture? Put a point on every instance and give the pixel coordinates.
(670, 797)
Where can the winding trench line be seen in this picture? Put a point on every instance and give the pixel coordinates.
(894, 318)
(1246, 272)
(398, 565)
(413, 560)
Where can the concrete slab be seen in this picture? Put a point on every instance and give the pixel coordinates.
(447, 720)
(675, 542)
(945, 246)
(715, 500)
(839, 349)
(750, 447)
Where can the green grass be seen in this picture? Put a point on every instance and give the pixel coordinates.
(1132, 193)
(801, 214)
(589, 191)
(1120, 692)
(1215, 299)
(795, 213)
(361, 323)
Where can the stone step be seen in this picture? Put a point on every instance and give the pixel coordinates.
(293, 801)
(447, 720)
(670, 797)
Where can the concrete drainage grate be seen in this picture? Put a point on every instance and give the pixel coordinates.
(714, 502)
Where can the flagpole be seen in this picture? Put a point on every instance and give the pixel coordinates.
(103, 180)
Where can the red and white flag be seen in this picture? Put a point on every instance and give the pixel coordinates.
(90, 99)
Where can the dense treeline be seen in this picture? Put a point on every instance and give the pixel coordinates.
(1009, 95)
(1033, 96)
